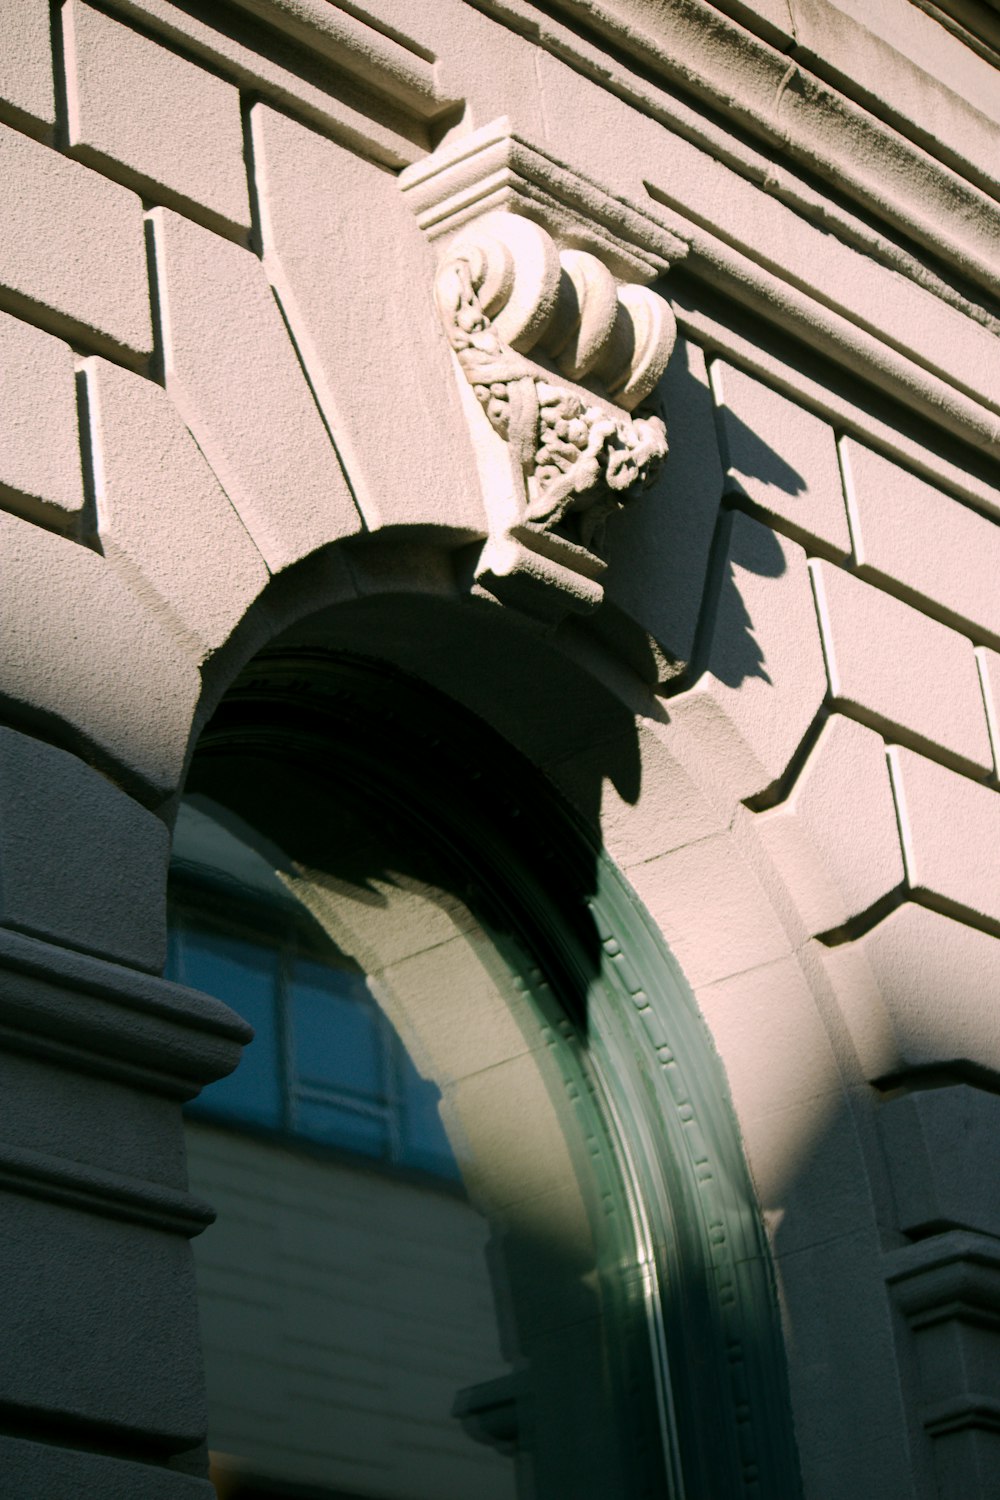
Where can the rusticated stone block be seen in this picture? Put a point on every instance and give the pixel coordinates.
(908, 1008)
(72, 248)
(781, 457)
(27, 96)
(40, 456)
(58, 879)
(77, 647)
(943, 1147)
(966, 1459)
(711, 908)
(366, 325)
(162, 514)
(72, 1325)
(844, 1343)
(843, 786)
(947, 1285)
(658, 547)
(899, 522)
(233, 374)
(901, 671)
(138, 110)
(951, 833)
(764, 678)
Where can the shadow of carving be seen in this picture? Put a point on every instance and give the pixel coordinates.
(367, 775)
(674, 605)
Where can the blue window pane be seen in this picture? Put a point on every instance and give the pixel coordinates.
(244, 975)
(335, 1031)
(337, 1125)
(424, 1142)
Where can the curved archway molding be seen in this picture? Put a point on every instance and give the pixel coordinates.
(704, 1288)
(579, 717)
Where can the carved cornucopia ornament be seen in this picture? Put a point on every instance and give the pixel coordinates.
(581, 449)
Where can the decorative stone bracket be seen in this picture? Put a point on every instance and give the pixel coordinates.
(562, 357)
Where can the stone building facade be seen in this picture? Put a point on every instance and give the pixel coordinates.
(621, 378)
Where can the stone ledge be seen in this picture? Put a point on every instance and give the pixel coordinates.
(44, 1471)
(36, 1174)
(160, 1036)
(497, 168)
(934, 1277)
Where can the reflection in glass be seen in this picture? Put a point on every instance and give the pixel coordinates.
(424, 1278)
(326, 1065)
(342, 1312)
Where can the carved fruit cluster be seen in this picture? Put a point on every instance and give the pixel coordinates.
(575, 456)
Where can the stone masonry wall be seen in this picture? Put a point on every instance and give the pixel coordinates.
(219, 360)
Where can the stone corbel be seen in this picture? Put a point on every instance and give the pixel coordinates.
(562, 350)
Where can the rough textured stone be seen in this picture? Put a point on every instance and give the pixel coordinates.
(161, 513)
(658, 548)
(770, 1012)
(366, 325)
(938, 90)
(951, 833)
(71, 1111)
(845, 785)
(711, 909)
(901, 671)
(137, 108)
(781, 457)
(83, 1293)
(40, 456)
(72, 247)
(665, 812)
(39, 1471)
(898, 523)
(943, 1147)
(840, 1342)
(67, 625)
(939, 981)
(27, 95)
(805, 1156)
(80, 863)
(809, 883)
(232, 371)
(764, 678)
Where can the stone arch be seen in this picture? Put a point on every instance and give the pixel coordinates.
(647, 785)
(205, 562)
(718, 1318)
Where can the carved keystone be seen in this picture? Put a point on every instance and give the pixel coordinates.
(559, 353)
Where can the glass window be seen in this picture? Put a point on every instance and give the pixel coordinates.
(326, 1066)
(365, 1332)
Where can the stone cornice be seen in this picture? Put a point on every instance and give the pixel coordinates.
(374, 53)
(362, 81)
(691, 46)
(771, 239)
(497, 168)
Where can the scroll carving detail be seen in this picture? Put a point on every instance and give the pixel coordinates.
(578, 452)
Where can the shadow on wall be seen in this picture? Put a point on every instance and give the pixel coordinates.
(674, 555)
(831, 1220)
(411, 839)
(320, 742)
(377, 787)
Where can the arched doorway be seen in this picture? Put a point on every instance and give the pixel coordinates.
(636, 1328)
